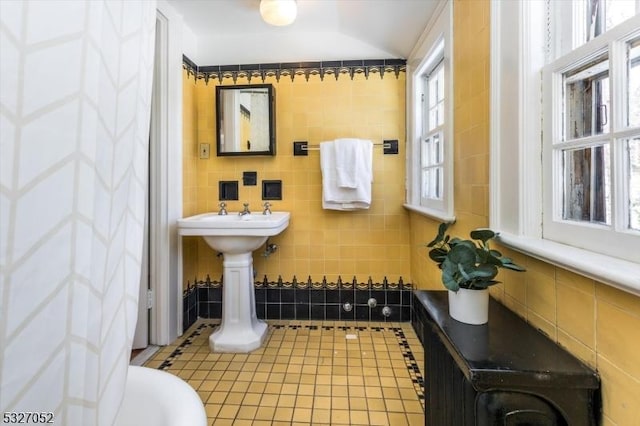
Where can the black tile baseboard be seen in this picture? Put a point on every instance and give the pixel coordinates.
(296, 300)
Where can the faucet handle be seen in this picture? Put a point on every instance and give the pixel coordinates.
(267, 208)
(246, 210)
(223, 210)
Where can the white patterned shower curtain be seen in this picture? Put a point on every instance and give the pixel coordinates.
(75, 92)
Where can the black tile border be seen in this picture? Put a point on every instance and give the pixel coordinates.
(304, 300)
(410, 361)
(412, 365)
(294, 69)
(185, 344)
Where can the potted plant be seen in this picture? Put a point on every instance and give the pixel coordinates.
(468, 267)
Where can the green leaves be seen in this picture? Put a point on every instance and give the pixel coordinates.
(468, 263)
(483, 235)
(442, 229)
(508, 263)
(438, 255)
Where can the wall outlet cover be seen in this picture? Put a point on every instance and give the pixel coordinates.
(205, 150)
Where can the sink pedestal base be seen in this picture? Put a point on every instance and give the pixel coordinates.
(240, 330)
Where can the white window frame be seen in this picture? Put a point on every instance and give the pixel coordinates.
(434, 46)
(518, 50)
(430, 133)
(616, 239)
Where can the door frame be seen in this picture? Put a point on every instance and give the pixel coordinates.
(165, 173)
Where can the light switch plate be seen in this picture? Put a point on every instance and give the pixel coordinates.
(204, 150)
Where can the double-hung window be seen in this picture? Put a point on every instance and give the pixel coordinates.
(591, 130)
(432, 141)
(565, 134)
(430, 162)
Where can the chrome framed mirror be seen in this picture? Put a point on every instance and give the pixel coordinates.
(245, 118)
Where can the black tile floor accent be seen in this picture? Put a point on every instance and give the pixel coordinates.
(412, 364)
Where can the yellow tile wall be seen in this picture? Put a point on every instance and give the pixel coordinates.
(189, 173)
(596, 322)
(318, 242)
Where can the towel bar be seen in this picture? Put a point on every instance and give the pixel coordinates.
(302, 147)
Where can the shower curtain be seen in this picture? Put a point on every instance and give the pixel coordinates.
(75, 92)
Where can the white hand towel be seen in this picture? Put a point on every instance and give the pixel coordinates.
(334, 197)
(364, 163)
(347, 153)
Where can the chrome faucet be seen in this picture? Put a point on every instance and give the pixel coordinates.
(267, 208)
(245, 211)
(223, 210)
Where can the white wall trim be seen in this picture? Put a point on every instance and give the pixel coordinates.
(515, 96)
(430, 213)
(166, 171)
(618, 273)
(495, 134)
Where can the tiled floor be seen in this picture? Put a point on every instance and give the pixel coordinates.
(306, 373)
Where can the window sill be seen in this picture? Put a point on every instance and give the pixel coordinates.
(622, 274)
(430, 213)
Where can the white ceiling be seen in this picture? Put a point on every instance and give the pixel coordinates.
(229, 32)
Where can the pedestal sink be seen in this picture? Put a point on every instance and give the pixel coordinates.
(236, 237)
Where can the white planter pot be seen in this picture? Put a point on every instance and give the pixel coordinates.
(469, 306)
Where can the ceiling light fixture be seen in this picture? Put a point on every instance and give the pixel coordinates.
(278, 12)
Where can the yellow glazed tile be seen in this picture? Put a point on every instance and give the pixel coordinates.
(228, 411)
(577, 348)
(212, 410)
(576, 314)
(394, 405)
(619, 338)
(340, 417)
(576, 281)
(378, 418)
(625, 301)
(265, 413)
(302, 414)
(283, 414)
(359, 417)
(304, 401)
(397, 419)
(541, 291)
(542, 324)
(320, 416)
(620, 394)
(252, 399)
(376, 404)
(247, 412)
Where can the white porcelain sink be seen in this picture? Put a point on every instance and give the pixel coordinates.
(233, 233)
(236, 237)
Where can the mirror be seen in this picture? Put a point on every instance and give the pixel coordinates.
(246, 120)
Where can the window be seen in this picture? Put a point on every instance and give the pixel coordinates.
(430, 162)
(431, 148)
(591, 98)
(565, 134)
